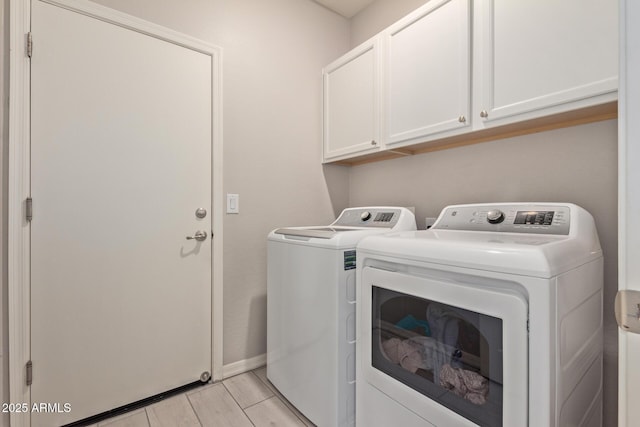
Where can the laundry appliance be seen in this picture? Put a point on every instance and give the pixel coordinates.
(493, 317)
(311, 299)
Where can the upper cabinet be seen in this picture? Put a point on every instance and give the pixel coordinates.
(427, 73)
(352, 103)
(534, 58)
(466, 69)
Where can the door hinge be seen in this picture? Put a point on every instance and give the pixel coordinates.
(627, 310)
(28, 211)
(29, 44)
(29, 372)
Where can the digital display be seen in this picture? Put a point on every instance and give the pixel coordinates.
(534, 218)
(383, 217)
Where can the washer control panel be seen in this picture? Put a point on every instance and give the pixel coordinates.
(516, 218)
(368, 217)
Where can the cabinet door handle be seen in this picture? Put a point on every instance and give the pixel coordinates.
(484, 114)
(462, 119)
(373, 142)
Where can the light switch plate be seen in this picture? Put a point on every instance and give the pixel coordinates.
(233, 203)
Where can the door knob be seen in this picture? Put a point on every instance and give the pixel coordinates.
(199, 236)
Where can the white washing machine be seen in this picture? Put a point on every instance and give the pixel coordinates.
(493, 317)
(311, 299)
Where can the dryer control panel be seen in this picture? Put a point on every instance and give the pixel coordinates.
(508, 218)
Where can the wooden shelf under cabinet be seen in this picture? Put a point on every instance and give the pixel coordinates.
(571, 118)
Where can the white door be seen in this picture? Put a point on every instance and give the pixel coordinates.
(629, 194)
(120, 161)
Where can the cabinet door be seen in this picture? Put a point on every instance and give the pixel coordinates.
(542, 57)
(351, 103)
(427, 73)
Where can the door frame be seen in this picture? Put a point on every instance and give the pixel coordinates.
(628, 200)
(19, 230)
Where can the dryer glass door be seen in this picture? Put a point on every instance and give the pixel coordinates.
(451, 345)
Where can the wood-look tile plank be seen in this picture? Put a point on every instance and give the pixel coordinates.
(200, 388)
(215, 407)
(132, 419)
(174, 412)
(262, 374)
(247, 389)
(272, 412)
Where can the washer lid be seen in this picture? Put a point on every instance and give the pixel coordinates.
(325, 237)
(352, 225)
(318, 232)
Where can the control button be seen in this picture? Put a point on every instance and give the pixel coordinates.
(495, 216)
(365, 216)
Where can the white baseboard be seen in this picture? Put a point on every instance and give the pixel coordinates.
(243, 366)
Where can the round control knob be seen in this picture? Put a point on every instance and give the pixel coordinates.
(365, 216)
(495, 216)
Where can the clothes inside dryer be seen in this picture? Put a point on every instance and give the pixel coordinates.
(449, 354)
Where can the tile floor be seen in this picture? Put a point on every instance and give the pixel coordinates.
(247, 399)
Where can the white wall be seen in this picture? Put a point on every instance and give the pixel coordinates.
(378, 16)
(576, 165)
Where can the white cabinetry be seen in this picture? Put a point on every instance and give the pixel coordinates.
(535, 58)
(455, 66)
(351, 103)
(427, 73)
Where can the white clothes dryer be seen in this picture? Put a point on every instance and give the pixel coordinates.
(311, 299)
(493, 317)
